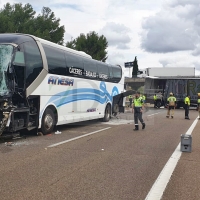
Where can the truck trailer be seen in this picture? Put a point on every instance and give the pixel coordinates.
(168, 71)
(179, 86)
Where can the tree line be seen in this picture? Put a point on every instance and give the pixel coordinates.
(17, 18)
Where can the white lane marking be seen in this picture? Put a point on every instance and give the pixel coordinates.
(65, 141)
(161, 182)
(153, 114)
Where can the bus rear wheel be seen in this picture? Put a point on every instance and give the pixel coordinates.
(107, 113)
(48, 121)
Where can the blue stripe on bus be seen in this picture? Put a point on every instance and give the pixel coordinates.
(65, 100)
(102, 96)
(86, 90)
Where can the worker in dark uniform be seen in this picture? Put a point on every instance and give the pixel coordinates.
(138, 107)
(187, 106)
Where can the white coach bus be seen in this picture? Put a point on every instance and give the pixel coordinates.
(43, 84)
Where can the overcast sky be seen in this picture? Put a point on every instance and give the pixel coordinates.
(161, 33)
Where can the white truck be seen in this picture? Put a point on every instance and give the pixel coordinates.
(168, 71)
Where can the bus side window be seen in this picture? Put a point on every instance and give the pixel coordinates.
(110, 73)
(33, 61)
(103, 72)
(90, 69)
(19, 68)
(74, 65)
(117, 74)
(55, 59)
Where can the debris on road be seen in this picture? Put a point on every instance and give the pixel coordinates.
(57, 132)
(40, 134)
(9, 143)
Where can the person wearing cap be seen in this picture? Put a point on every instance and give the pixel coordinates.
(187, 106)
(171, 101)
(138, 107)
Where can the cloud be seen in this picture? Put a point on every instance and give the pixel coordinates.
(171, 29)
(135, 4)
(174, 28)
(196, 52)
(174, 3)
(78, 5)
(115, 58)
(182, 59)
(177, 61)
(65, 5)
(116, 34)
(197, 65)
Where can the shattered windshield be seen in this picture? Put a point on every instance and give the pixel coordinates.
(5, 58)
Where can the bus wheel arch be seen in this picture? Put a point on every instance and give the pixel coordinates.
(107, 113)
(49, 119)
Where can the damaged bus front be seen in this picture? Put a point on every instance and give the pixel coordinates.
(14, 109)
(6, 85)
(17, 63)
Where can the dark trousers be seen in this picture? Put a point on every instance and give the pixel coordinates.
(138, 115)
(186, 111)
(155, 103)
(130, 100)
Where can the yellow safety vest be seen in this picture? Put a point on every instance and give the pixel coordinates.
(187, 101)
(198, 101)
(171, 100)
(155, 97)
(138, 102)
(143, 97)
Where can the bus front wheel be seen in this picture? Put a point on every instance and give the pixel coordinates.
(107, 113)
(48, 121)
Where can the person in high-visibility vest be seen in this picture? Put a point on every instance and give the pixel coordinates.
(171, 105)
(143, 98)
(187, 106)
(138, 107)
(155, 101)
(198, 104)
(130, 97)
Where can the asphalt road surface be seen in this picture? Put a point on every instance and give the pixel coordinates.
(100, 161)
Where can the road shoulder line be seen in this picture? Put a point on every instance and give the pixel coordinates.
(161, 182)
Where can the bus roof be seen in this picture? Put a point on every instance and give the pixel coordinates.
(80, 53)
(20, 37)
